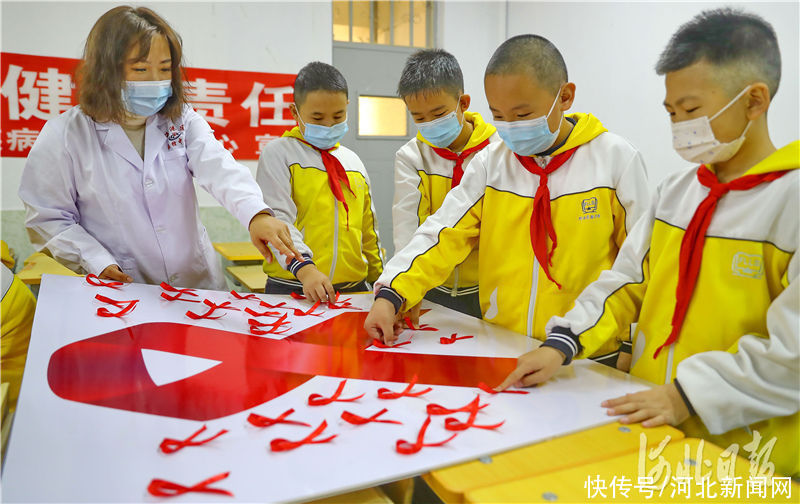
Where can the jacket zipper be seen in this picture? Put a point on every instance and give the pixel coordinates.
(454, 290)
(335, 237)
(532, 301)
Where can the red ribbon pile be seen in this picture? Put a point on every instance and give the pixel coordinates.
(126, 306)
(163, 488)
(406, 448)
(319, 400)
(262, 421)
(178, 293)
(169, 445)
(384, 393)
(279, 444)
(274, 327)
(92, 279)
(354, 419)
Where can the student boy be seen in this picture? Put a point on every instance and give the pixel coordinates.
(321, 189)
(549, 206)
(428, 166)
(711, 271)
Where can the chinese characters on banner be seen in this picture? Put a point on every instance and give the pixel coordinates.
(245, 109)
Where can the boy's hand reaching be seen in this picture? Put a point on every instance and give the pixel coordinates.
(316, 284)
(656, 406)
(534, 367)
(412, 314)
(266, 229)
(382, 323)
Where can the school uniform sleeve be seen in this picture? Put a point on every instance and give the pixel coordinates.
(609, 304)
(274, 178)
(410, 206)
(756, 379)
(370, 241)
(48, 191)
(216, 171)
(443, 241)
(633, 193)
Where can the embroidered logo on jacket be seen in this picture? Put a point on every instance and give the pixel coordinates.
(747, 265)
(174, 136)
(589, 209)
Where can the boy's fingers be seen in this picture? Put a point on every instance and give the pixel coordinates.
(624, 409)
(330, 291)
(638, 416)
(610, 403)
(511, 379)
(263, 249)
(656, 421)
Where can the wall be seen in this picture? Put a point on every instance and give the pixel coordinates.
(611, 50)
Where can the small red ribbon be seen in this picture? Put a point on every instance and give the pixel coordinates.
(406, 448)
(279, 305)
(262, 314)
(473, 405)
(212, 308)
(127, 306)
(262, 421)
(169, 445)
(422, 327)
(296, 295)
(354, 419)
(92, 279)
(490, 390)
(178, 293)
(163, 488)
(248, 297)
(385, 393)
(319, 400)
(380, 344)
(279, 444)
(300, 313)
(444, 340)
(453, 424)
(274, 327)
(345, 303)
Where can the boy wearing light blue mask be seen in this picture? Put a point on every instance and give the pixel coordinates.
(430, 165)
(549, 206)
(321, 189)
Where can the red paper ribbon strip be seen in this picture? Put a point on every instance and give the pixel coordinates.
(274, 327)
(319, 400)
(163, 488)
(92, 279)
(490, 390)
(473, 405)
(262, 421)
(282, 304)
(178, 293)
(279, 444)
(169, 445)
(422, 327)
(444, 340)
(406, 448)
(297, 296)
(248, 297)
(345, 303)
(385, 393)
(126, 306)
(300, 313)
(354, 419)
(453, 424)
(212, 308)
(262, 314)
(380, 344)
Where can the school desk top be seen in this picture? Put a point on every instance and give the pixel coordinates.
(177, 360)
(239, 252)
(38, 264)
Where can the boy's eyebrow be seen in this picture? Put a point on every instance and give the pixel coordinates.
(681, 100)
(168, 60)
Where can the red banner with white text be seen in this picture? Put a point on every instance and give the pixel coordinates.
(245, 109)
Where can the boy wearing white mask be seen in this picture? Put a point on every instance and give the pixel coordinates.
(107, 186)
(430, 165)
(711, 271)
(322, 190)
(549, 206)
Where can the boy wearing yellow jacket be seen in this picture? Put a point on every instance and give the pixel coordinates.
(430, 165)
(322, 190)
(549, 206)
(711, 272)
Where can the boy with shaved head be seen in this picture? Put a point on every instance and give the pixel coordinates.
(711, 271)
(549, 206)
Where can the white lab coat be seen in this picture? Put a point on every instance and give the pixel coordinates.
(92, 201)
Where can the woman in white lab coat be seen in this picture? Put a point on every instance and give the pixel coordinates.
(108, 187)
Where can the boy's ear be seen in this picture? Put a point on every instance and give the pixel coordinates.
(758, 100)
(567, 96)
(294, 111)
(464, 101)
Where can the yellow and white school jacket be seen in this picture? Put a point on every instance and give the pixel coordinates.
(422, 179)
(344, 247)
(737, 357)
(596, 197)
(16, 320)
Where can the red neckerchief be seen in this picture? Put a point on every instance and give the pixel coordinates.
(336, 176)
(694, 239)
(541, 222)
(459, 157)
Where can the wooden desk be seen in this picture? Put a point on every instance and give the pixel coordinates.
(693, 458)
(592, 445)
(239, 252)
(251, 277)
(38, 264)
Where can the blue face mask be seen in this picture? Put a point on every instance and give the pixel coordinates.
(443, 131)
(324, 137)
(530, 137)
(145, 98)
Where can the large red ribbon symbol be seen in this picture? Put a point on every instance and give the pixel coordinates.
(109, 370)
